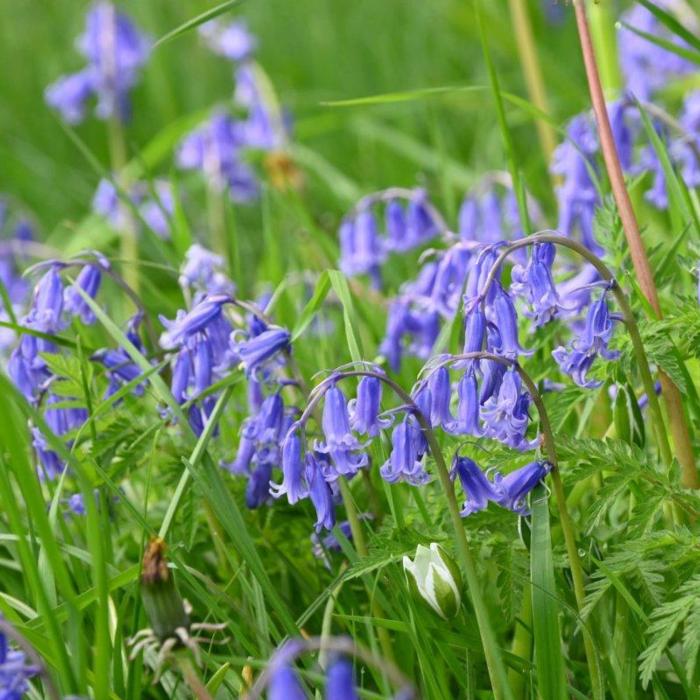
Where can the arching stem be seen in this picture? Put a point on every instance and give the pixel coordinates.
(494, 661)
(627, 314)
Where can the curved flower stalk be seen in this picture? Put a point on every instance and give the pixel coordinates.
(282, 682)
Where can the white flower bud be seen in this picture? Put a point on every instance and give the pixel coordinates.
(437, 579)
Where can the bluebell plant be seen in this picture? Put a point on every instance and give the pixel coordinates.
(16, 670)
(115, 52)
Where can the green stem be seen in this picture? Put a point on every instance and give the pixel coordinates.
(532, 71)
(192, 679)
(603, 18)
(129, 248)
(522, 642)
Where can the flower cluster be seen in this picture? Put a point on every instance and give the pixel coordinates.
(217, 148)
(364, 248)
(116, 52)
(284, 683)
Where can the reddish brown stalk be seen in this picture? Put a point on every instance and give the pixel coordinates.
(670, 393)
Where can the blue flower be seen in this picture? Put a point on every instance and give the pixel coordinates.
(215, 149)
(293, 469)
(535, 284)
(232, 40)
(578, 358)
(467, 421)
(440, 387)
(685, 149)
(505, 414)
(89, 280)
(116, 52)
(489, 216)
(512, 490)
(340, 680)
(340, 444)
(284, 684)
(405, 463)
(203, 272)
(502, 314)
(364, 410)
(395, 227)
(258, 351)
(15, 671)
(320, 491)
(478, 490)
(194, 321)
(474, 328)
(361, 249)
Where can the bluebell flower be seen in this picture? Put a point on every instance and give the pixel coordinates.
(408, 447)
(284, 684)
(512, 490)
(535, 283)
(88, 280)
(204, 272)
(231, 40)
(420, 223)
(121, 369)
(293, 469)
(474, 328)
(186, 325)
(397, 326)
(76, 504)
(491, 371)
(480, 267)
(501, 313)
(320, 491)
(440, 387)
(215, 148)
(467, 421)
(447, 283)
(478, 490)
(116, 52)
(505, 415)
(15, 671)
(258, 487)
(364, 410)
(340, 680)
(578, 358)
(646, 66)
(361, 249)
(622, 133)
(343, 448)
(395, 226)
(577, 196)
(258, 351)
(157, 211)
(685, 148)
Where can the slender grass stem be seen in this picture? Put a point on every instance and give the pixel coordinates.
(521, 645)
(129, 247)
(532, 71)
(671, 394)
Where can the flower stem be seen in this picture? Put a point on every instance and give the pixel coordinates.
(521, 645)
(532, 71)
(627, 313)
(129, 249)
(671, 394)
(192, 679)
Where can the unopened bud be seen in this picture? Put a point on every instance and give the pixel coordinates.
(437, 579)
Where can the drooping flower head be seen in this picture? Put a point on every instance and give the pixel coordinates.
(478, 490)
(116, 52)
(15, 671)
(512, 489)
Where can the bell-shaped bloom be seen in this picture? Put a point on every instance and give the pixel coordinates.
(320, 493)
(593, 342)
(491, 371)
(194, 321)
(467, 421)
(339, 442)
(284, 684)
(364, 410)
(361, 249)
(231, 40)
(116, 52)
(478, 490)
(397, 326)
(215, 148)
(15, 671)
(475, 328)
(256, 352)
(505, 415)
(512, 489)
(204, 272)
(88, 280)
(502, 314)
(420, 222)
(257, 491)
(535, 284)
(440, 386)
(406, 460)
(487, 216)
(340, 680)
(47, 305)
(436, 579)
(395, 225)
(293, 470)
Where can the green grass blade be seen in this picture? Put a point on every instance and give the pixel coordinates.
(196, 21)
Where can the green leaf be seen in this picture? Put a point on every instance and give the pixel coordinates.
(340, 287)
(323, 285)
(549, 659)
(196, 21)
